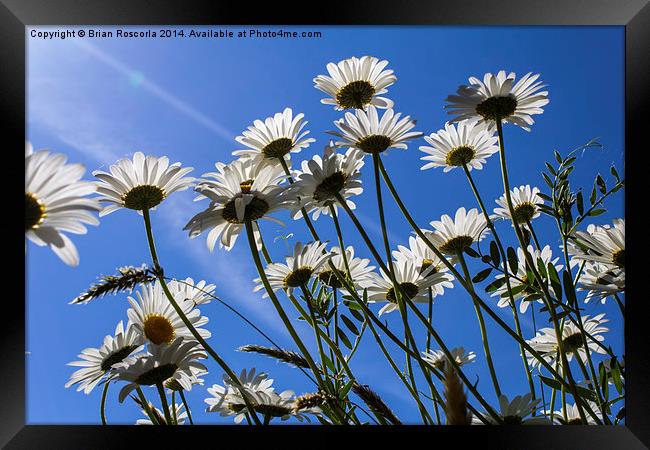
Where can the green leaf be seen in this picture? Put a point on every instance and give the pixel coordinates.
(494, 253)
(569, 289)
(532, 298)
(596, 212)
(555, 384)
(357, 315)
(541, 267)
(496, 284)
(620, 415)
(580, 203)
(601, 184)
(615, 372)
(515, 290)
(482, 275)
(555, 281)
(471, 252)
(558, 157)
(547, 180)
(329, 364)
(346, 388)
(343, 337)
(592, 197)
(512, 260)
(615, 173)
(348, 323)
(551, 169)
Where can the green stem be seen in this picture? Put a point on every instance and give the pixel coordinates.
(102, 405)
(186, 321)
(484, 336)
(187, 408)
(621, 306)
(174, 415)
(163, 403)
(145, 406)
(314, 323)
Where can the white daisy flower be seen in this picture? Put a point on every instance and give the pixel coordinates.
(452, 236)
(160, 364)
(546, 344)
(276, 137)
(141, 183)
(235, 197)
(95, 363)
(604, 244)
(601, 281)
(525, 201)
(437, 358)
(155, 317)
(181, 414)
(298, 269)
(521, 277)
(469, 143)
(412, 282)
(197, 293)
(228, 400)
(419, 252)
(322, 178)
(573, 415)
(364, 131)
(516, 412)
(194, 375)
(360, 271)
(55, 201)
(356, 83)
(499, 97)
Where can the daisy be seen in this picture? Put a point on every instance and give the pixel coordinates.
(438, 360)
(321, 179)
(525, 203)
(604, 244)
(199, 293)
(155, 317)
(412, 282)
(228, 400)
(364, 131)
(297, 270)
(194, 375)
(573, 415)
(235, 198)
(276, 137)
(181, 414)
(601, 281)
(95, 363)
(141, 183)
(356, 83)
(419, 252)
(498, 97)
(521, 277)
(159, 365)
(516, 412)
(55, 201)
(469, 144)
(453, 236)
(546, 344)
(360, 271)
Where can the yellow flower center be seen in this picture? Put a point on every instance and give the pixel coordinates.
(457, 244)
(375, 143)
(329, 187)
(460, 156)
(619, 258)
(524, 212)
(298, 277)
(34, 211)
(408, 289)
(278, 148)
(496, 108)
(254, 210)
(158, 329)
(143, 197)
(355, 95)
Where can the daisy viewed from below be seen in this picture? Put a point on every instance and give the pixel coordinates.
(297, 269)
(155, 317)
(360, 271)
(522, 278)
(604, 244)
(179, 413)
(498, 97)
(160, 364)
(188, 291)
(356, 83)
(235, 198)
(525, 201)
(546, 344)
(469, 144)
(419, 252)
(275, 137)
(365, 131)
(228, 400)
(438, 360)
(573, 415)
(515, 412)
(321, 179)
(412, 283)
(56, 202)
(601, 281)
(453, 236)
(95, 363)
(141, 183)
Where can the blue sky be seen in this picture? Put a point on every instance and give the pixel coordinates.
(101, 99)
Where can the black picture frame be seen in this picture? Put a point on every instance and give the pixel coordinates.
(15, 15)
